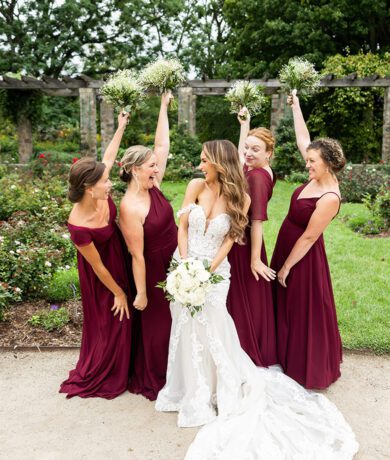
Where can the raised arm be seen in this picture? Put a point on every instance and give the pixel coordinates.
(161, 141)
(326, 209)
(111, 152)
(92, 256)
(244, 130)
(132, 229)
(195, 186)
(301, 132)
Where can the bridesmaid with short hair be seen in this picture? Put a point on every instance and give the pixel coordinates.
(308, 339)
(250, 295)
(103, 366)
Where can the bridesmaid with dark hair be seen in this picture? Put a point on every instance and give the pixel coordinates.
(250, 295)
(308, 339)
(148, 226)
(103, 366)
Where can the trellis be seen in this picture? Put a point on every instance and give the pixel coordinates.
(87, 89)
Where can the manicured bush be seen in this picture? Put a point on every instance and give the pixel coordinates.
(64, 285)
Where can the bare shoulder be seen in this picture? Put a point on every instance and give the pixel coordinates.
(196, 184)
(128, 209)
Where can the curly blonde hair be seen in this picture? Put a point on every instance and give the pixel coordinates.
(223, 155)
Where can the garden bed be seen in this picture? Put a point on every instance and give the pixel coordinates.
(15, 331)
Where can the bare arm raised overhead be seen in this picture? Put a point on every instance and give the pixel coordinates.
(301, 132)
(244, 130)
(161, 141)
(111, 152)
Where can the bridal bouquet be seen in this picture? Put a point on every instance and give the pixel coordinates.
(123, 90)
(188, 282)
(299, 74)
(162, 75)
(245, 94)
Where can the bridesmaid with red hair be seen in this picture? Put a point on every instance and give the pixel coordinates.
(308, 338)
(250, 296)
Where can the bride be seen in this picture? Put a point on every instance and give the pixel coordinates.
(248, 413)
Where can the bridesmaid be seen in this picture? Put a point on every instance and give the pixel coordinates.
(309, 344)
(148, 225)
(103, 366)
(250, 296)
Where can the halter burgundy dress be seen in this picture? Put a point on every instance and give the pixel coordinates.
(152, 326)
(103, 366)
(249, 301)
(308, 338)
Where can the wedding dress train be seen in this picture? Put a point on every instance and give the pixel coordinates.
(248, 413)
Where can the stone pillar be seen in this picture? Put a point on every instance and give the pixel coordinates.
(88, 121)
(24, 130)
(279, 110)
(187, 109)
(107, 125)
(386, 127)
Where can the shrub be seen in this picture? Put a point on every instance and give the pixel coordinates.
(287, 159)
(64, 285)
(8, 295)
(51, 320)
(357, 180)
(366, 226)
(297, 177)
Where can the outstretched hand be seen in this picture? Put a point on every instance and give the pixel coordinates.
(166, 98)
(123, 119)
(243, 116)
(292, 99)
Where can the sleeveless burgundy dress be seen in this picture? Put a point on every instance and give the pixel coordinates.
(308, 339)
(249, 301)
(103, 366)
(152, 326)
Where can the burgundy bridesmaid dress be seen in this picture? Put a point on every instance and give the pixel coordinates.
(308, 339)
(103, 366)
(152, 326)
(249, 301)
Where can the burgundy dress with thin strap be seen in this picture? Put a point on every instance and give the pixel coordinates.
(152, 326)
(249, 301)
(103, 366)
(308, 338)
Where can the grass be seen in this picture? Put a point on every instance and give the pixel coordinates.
(359, 267)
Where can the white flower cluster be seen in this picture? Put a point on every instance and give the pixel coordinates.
(123, 90)
(188, 283)
(301, 75)
(162, 75)
(245, 94)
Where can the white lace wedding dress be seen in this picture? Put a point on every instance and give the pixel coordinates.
(249, 413)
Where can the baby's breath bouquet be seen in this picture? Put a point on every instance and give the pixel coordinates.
(162, 75)
(299, 74)
(245, 94)
(123, 90)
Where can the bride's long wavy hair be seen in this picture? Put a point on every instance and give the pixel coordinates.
(223, 155)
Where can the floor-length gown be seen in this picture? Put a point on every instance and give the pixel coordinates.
(250, 413)
(308, 339)
(103, 366)
(250, 302)
(151, 327)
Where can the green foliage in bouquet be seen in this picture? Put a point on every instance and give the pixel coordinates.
(245, 94)
(123, 90)
(301, 75)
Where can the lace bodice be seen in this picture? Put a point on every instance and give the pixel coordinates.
(205, 236)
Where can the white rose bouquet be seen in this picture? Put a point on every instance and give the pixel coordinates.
(123, 90)
(188, 282)
(162, 75)
(245, 94)
(299, 74)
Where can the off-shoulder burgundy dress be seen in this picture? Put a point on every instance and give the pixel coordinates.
(152, 326)
(308, 338)
(103, 366)
(249, 301)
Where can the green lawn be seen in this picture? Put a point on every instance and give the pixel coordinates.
(360, 270)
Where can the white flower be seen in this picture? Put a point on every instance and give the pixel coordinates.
(67, 267)
(18, 251)
(18, 289)
(17, 242)
(44, 208)
(1, 239)
(163, 74)
(245, 93)
(47, 264)
(13, 187)
(12, 252)
(123, 90)
(65, 236)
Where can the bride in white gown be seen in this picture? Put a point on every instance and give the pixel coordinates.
(249, 413)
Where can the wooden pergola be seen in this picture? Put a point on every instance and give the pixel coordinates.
(87, 88)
